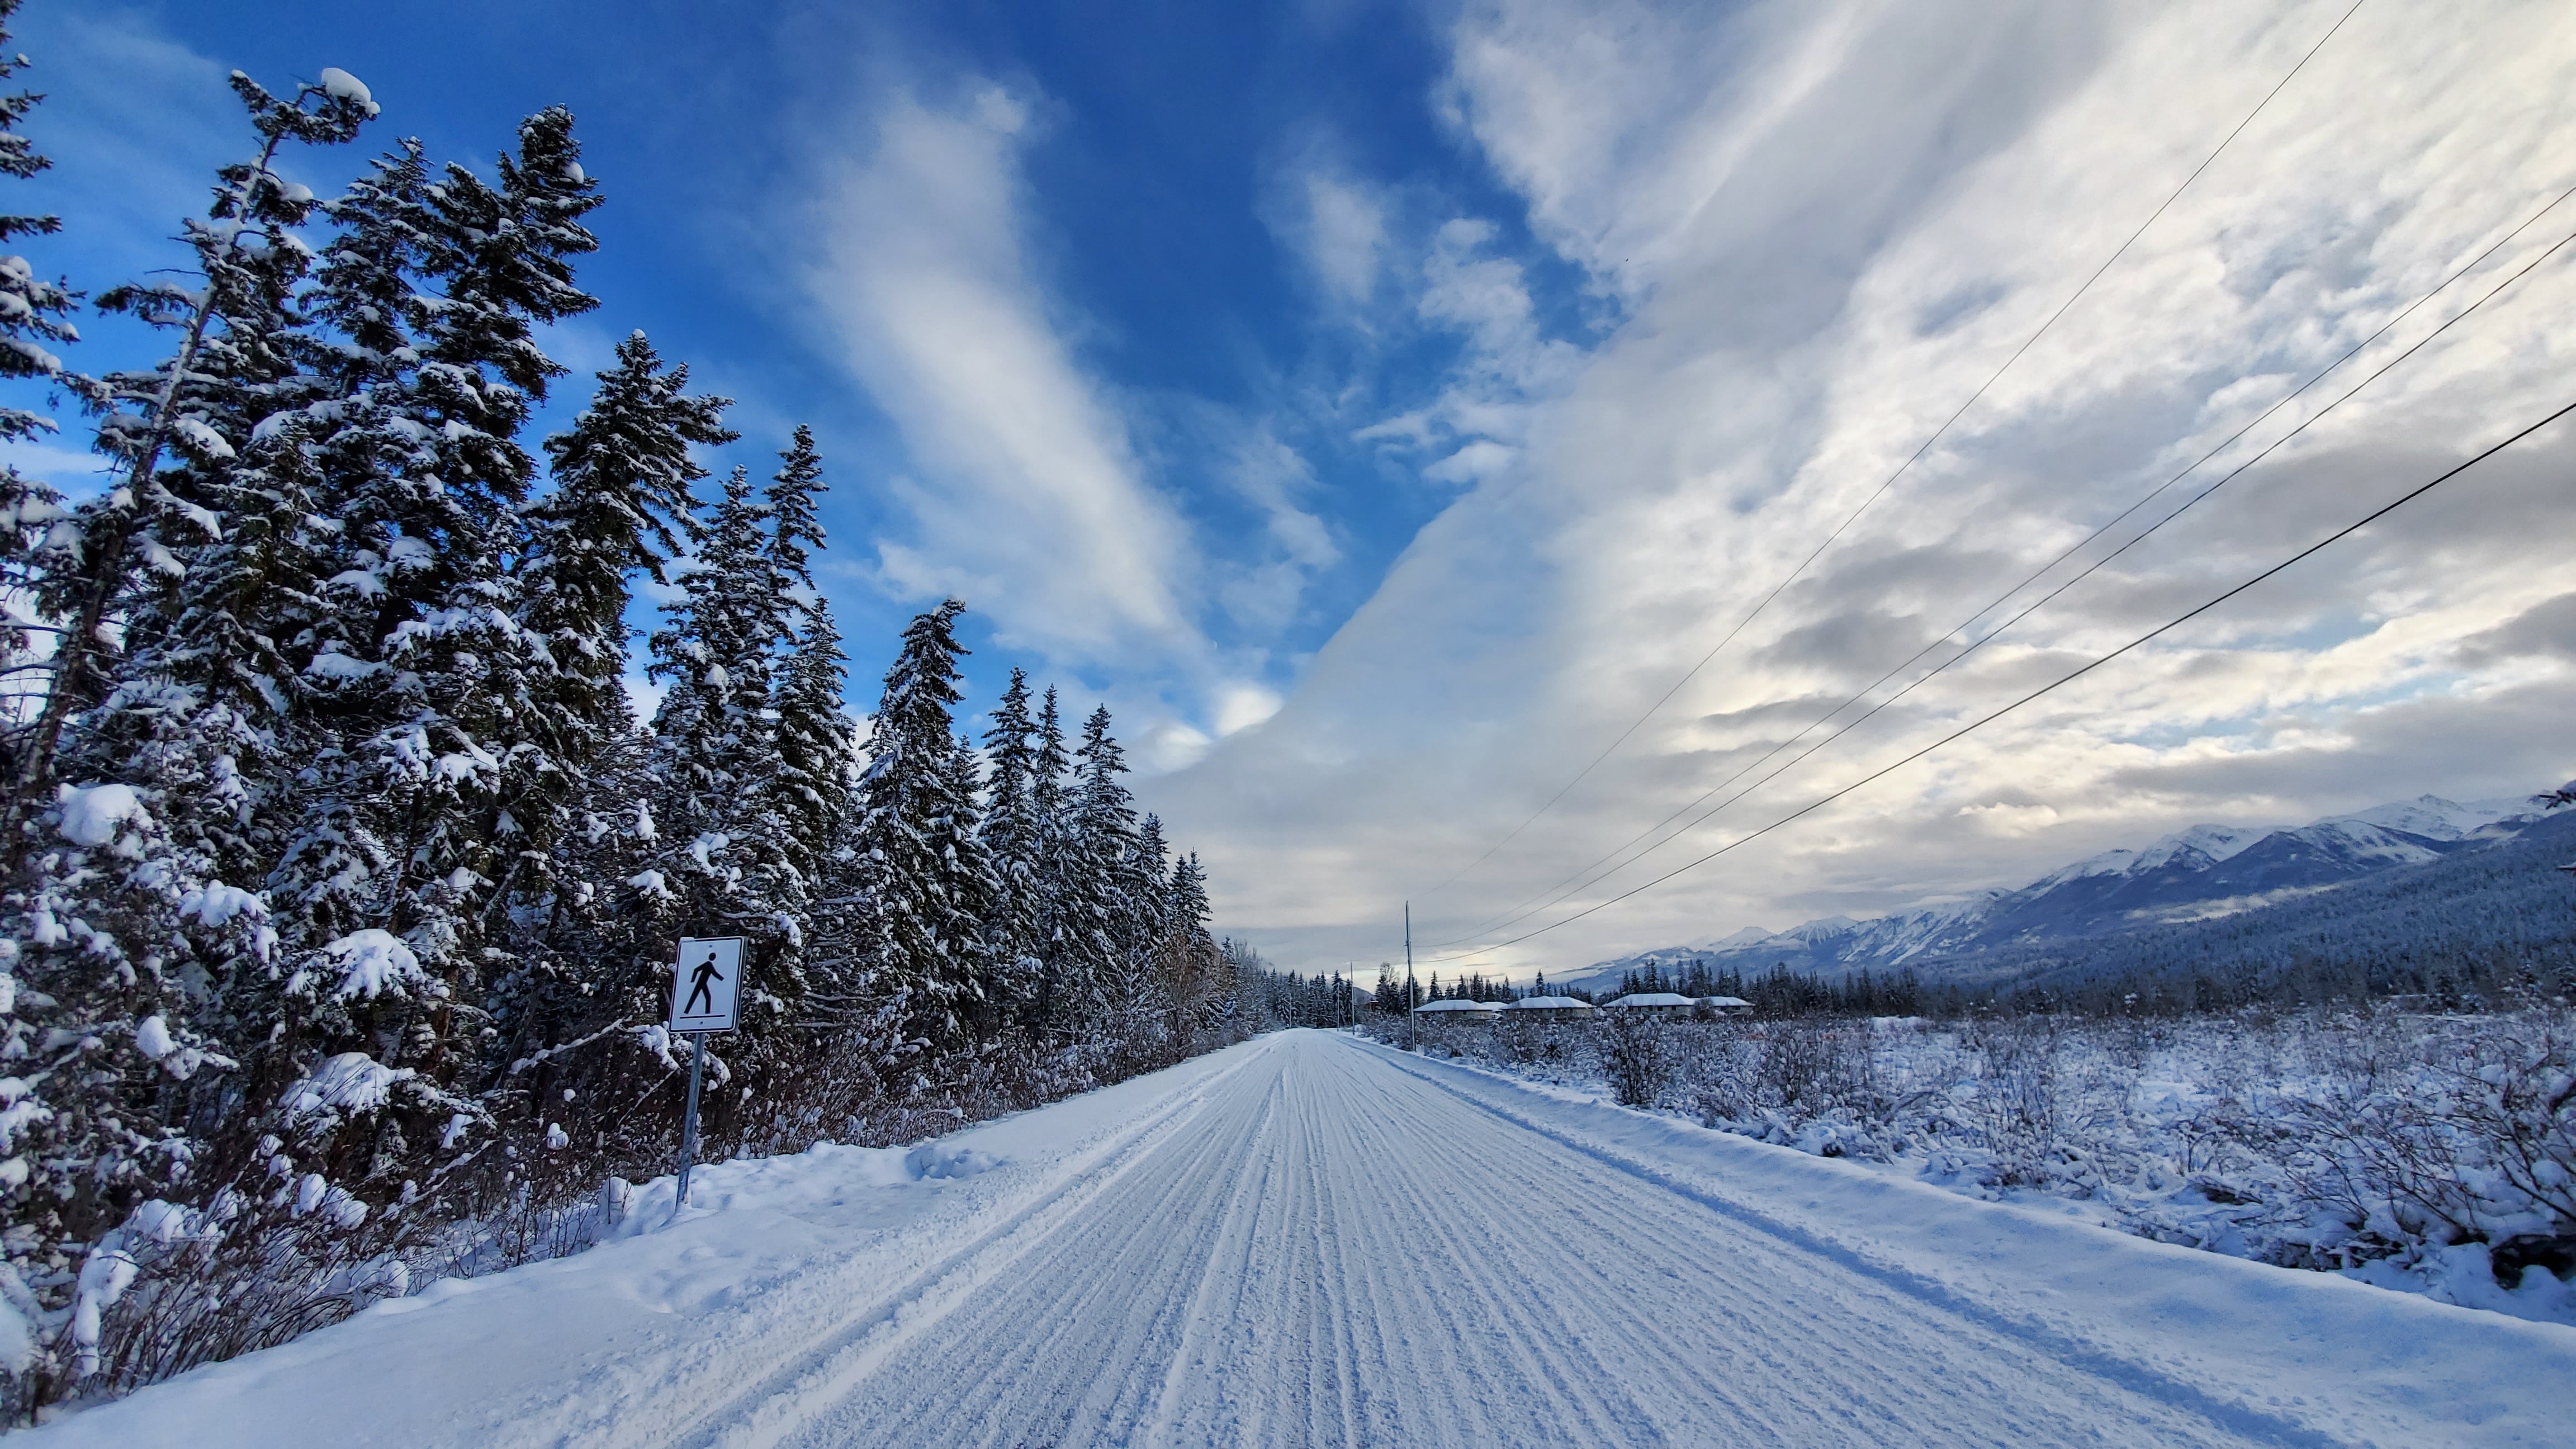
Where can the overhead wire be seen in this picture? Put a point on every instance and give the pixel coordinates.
(1585, 877)
(1916, 456)
(2052, 686)
(2041, 601)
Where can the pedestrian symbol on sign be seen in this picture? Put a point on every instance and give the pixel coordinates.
(707, 975)
(706, 981)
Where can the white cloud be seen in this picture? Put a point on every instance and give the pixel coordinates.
(77, 473)
(1344, 235)
(1476, 461)
(136, 124)
(1825, 225)
(1471, 429)
(1030, 501)
(1240, 706)
(1264, 590)
(1337, 226)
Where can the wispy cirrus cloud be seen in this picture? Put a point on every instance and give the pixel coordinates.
(1152, 541)
(1029, 498)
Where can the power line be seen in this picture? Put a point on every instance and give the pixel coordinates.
(1821, 801)
(1557, 893)
(1902, 468)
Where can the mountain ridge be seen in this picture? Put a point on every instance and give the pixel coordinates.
(2197, 873)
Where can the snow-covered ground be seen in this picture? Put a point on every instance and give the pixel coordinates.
(1311, 1239)
(2393, 1146)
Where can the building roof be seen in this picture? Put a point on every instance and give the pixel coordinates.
(1548, 1003)
(1725, 1001)
(1455, 1005)
(1652, 998)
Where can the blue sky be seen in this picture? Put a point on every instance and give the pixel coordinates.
(1152, 173)
(1381, 406)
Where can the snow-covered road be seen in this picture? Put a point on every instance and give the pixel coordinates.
(1312, 1240)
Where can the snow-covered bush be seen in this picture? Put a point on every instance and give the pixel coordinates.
(2431, 1152)
(1637, 1057)
(1809, 1082)
(2414, 1133)
(2013, 1105)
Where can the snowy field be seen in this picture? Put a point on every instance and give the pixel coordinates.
(2392, 1146)
(1311, 1239)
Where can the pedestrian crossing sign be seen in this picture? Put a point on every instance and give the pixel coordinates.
(706, 982)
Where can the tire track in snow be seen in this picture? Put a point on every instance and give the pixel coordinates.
(1231, 1251)
(1083, 1294)
(1334, 1248)
(1556, 1372)
(855, 1342)
(2141, 1380)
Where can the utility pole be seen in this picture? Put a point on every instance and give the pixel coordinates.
(1409, 1001)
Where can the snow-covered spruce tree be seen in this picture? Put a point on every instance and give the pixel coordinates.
(1194, 983)
(108, 908)
(1149, 887)
(620, 506)
(199, 570)
(973, 891)
(422, 686)
(587, 936)
(506, 256)
(1095, 949)
(920, 884)
(795, 530)
(814, 755)
(31, 308)
(1226, 970)
(194, 409)
(806, 780)
(713, 736)
(1014, 833)
(1055, 1004)
(31, 325)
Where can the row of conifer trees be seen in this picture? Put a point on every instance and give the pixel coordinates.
(341, 879)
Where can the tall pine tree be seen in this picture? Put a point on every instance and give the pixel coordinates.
(921, 885)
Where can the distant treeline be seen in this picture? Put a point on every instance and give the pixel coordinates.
(2471, 931)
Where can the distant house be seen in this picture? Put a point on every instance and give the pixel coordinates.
(1549, 1008)
(1482, 1013)
(1725, 1006)
(1653, 1003)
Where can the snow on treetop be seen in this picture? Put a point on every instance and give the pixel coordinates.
(339, 85)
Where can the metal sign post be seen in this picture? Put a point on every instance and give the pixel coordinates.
(706, 986)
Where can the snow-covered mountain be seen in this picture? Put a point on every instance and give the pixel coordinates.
(2207, 870)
